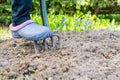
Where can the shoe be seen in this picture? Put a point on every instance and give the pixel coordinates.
(29, 30)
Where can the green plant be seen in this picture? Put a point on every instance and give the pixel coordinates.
(78, 22)
(5, 12)
(61, 7)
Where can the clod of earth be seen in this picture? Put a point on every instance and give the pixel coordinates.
(86, 55)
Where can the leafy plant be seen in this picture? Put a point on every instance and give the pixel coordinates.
(78, 22)
(5, 12)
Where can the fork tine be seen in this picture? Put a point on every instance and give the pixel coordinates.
(59, 39)
(45, 45)
(52, 41)
(36, 47)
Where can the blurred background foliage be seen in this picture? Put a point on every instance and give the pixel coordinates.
(71, 14)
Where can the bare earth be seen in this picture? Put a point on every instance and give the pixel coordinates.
(87, 55)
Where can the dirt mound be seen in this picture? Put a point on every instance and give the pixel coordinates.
(87, 55)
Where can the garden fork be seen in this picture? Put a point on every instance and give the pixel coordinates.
(45, 23)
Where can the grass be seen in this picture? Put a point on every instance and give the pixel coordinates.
(4, 33)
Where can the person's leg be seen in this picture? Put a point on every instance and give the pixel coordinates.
(20, 11)
(22, 26)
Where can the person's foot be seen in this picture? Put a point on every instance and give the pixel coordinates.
(30, 31)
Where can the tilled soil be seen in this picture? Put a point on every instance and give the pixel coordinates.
(86, 55)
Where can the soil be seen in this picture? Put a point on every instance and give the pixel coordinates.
(86, 55)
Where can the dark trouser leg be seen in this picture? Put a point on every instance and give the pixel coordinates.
(20, 11)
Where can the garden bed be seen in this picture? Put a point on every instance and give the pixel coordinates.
(86, 55)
